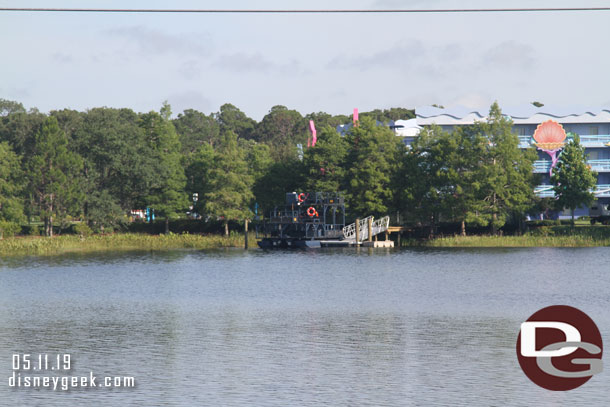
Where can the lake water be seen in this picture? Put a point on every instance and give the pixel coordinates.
(434, 327)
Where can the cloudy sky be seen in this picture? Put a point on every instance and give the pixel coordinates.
(308, 62)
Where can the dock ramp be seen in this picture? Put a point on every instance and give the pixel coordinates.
(380, 225)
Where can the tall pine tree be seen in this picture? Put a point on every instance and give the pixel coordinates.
(11, 187)
(507, 181)
(230, 183)
(54, 172)
(372, 162)
(325, 162)
(167, 192)
(572, 178)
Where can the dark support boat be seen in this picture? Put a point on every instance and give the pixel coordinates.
(305, 220)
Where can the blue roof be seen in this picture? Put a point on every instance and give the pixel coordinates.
(516, 112)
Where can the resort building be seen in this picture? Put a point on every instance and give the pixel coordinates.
(592, 125)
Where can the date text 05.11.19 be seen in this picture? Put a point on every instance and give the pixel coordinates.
(41, 361)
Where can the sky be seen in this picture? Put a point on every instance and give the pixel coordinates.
(308, 62)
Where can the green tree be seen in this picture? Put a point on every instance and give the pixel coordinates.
(282, 129)
(18, 128)
(417, 195)
(230, 118)
(445, 177)
(323, 119)
(70, 122)
(507, 179)
(8, 107)
(281, 177)
(230, 190)
(119, 164)
(387, 115)
(467, 174)
(324, 163)
(11, 185)
(572, 178)
(372, 162)
(258, 157)
(166, 193)
(476, 174)
(54, 173)
(195, 129)
(103, 212)
(198, 165)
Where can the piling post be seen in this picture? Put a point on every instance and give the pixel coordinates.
(357, 231)
(246, 234)
(370, 226)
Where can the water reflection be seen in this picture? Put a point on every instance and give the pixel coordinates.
(402, 327)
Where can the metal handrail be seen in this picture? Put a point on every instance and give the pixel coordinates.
(599, 164)
(584, 139)
(545, 165)
(378, 226)
(546, 191)
(598, 138)
(349, 232)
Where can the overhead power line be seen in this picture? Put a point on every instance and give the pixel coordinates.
(306, 11)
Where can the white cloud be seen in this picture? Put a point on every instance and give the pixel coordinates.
(401, 56)
(243, 62)
(62, 58)
(190, 99)
(413, 60)
(472, 100)
(191, 69)
(510, 55)
(152, 42)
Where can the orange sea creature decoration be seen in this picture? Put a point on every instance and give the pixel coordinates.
(550, 138)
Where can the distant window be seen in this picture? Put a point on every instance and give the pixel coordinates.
(522, 131)
(593, 130)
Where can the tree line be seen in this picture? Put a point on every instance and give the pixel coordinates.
(97, 165)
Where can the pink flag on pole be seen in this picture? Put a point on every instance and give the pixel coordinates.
(314, 137)
(355, 115)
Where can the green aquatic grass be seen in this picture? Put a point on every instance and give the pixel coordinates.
(555, 236)
(18, 246)
(517, 241)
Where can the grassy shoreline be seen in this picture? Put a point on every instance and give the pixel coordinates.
(514, 241)
(546, 236)
(558, 236)
(23, 246)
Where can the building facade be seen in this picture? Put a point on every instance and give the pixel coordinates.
(591, 125)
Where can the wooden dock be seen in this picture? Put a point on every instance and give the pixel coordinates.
(397, 229)
(378, 243)
(363, 231)
(353, 243)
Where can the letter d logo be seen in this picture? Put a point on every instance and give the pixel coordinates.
(528, 338)
(559, 348)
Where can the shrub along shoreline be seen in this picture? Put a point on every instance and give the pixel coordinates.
(35, 245)
(546, 236)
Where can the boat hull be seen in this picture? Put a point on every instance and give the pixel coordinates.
(288, 243)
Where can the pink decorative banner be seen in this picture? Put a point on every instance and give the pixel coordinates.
(314, 137)
(355, 115)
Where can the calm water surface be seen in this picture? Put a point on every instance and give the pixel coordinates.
(310, 328)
